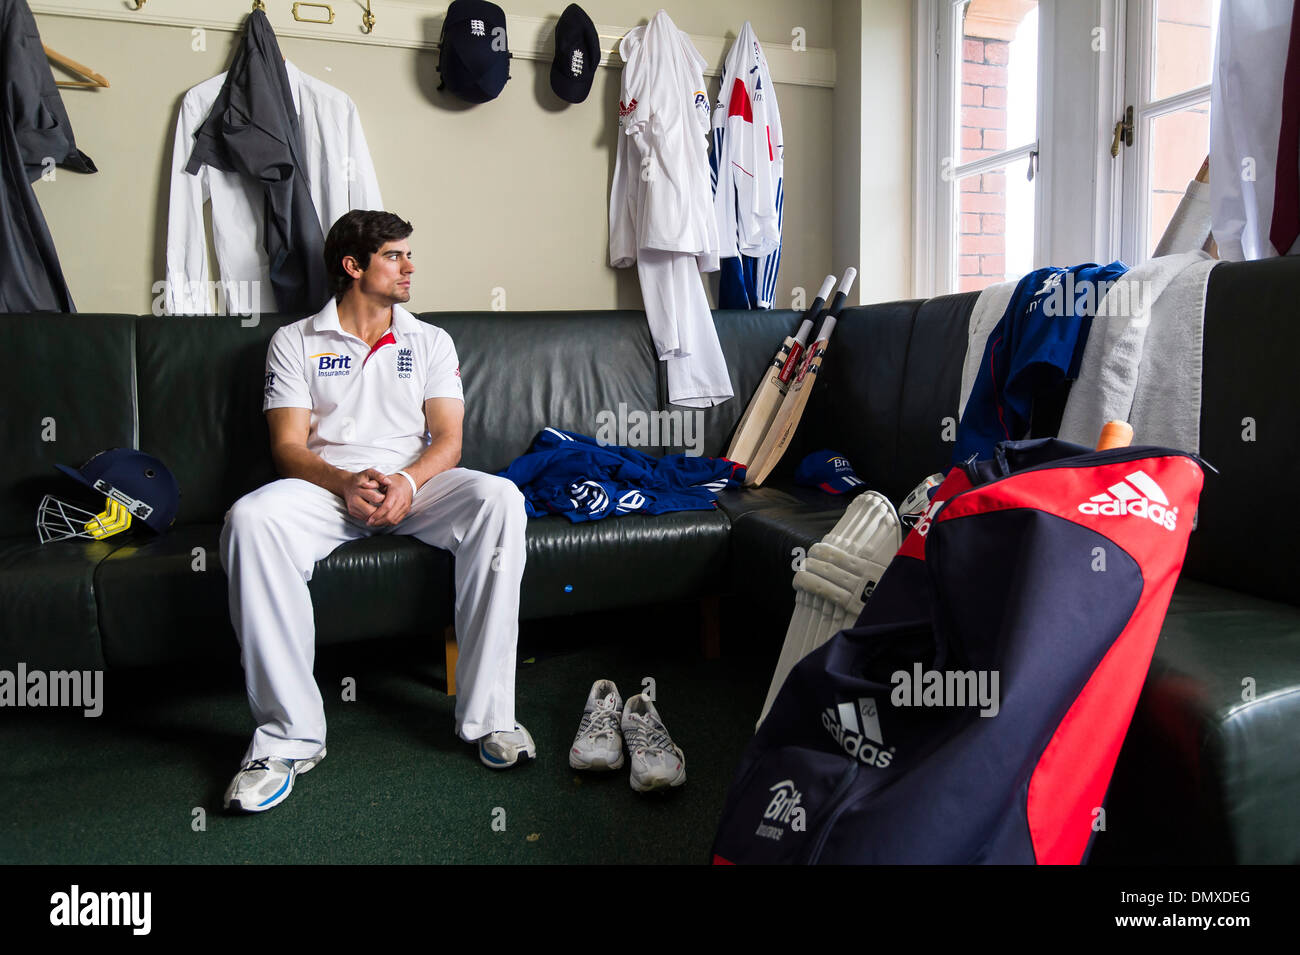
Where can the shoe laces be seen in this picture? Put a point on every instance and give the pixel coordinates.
(259, 763)
(648, 736)
(601, 718)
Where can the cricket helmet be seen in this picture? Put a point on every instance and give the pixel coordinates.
(135, 485)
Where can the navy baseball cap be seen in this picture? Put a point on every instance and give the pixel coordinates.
(473, 55)
(139, 481)
(829, 471)
(577, 54)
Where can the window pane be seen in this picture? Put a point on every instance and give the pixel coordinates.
(1179, 144)
(995, 240)
(1183, 35)
(998, 77)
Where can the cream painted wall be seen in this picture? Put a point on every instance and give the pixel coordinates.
(512, 194)
(872, 167)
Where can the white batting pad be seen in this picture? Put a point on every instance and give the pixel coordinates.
(837, 577)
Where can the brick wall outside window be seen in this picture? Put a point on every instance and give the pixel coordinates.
(981, 245)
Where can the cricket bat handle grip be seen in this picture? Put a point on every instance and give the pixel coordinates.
(1115, 434)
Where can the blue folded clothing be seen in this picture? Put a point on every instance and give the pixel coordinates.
(572, 474)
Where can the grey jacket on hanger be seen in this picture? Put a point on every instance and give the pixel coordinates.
(34, 132)
(253, 130)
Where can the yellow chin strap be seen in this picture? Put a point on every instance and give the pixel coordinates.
(114, 519)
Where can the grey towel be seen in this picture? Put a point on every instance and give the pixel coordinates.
(1142, 363)
(1189, 229)
(984, 317)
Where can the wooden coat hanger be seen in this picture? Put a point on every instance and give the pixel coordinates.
(96, 81)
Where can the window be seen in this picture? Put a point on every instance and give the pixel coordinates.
(1169, 65)
(981, 216)
(1070, 70)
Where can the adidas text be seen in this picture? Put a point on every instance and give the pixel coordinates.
(1138, 495)
(858, 732)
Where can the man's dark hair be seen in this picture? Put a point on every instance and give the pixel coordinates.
(360, 234)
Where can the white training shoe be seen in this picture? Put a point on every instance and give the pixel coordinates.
(599, 744)
(502, 749)
(264, 783)
(657, 762)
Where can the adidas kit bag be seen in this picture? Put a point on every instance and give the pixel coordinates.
(975, 712)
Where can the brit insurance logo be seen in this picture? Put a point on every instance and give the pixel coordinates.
(783, 812)
(270, 382)
(857, 729)
(702, 102)
(1138, 495)
(331, 364)
(404, 362)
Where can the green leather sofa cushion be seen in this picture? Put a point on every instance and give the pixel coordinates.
(48, 611)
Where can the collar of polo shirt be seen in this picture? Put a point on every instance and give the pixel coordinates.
(327, 320)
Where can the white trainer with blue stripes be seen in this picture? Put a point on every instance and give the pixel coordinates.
(265, 783)
(502, 749)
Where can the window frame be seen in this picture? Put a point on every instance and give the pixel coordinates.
(1131, 232)
(1081, 75)
(938, 169)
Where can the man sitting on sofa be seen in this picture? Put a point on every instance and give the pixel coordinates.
(365, 406)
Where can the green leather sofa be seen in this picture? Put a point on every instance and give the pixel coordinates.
(1210, 771)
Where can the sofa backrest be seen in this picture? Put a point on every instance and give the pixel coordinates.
(526, 371)
(71, 394)
(200, 382)
(1250, 430)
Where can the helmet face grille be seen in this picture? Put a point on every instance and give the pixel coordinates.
(58, 520)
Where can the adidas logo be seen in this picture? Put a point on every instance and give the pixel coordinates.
(857, 730)
(1138, 495)
(927, 518)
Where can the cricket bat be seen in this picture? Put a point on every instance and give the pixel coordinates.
(781, 432)
(767, 398)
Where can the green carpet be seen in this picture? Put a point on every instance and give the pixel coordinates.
(397, 785)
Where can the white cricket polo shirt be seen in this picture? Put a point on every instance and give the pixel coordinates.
(367, 404)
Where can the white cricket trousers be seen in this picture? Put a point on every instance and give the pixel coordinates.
(270, 544)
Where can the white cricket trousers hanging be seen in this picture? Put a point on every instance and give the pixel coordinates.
(270, 544)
